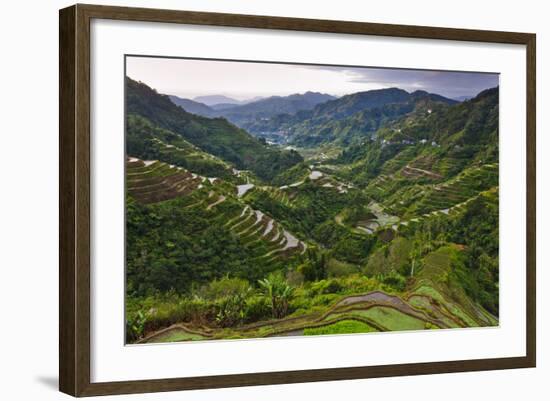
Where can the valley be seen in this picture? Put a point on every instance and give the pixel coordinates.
(310, 215)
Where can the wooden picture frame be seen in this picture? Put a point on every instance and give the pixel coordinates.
(74, 203)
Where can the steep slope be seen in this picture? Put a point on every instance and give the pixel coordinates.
(149, 142)
(193, 107)
(434, 177)
(183, 227)
(430, 144)
(215, 136)
(473, 122)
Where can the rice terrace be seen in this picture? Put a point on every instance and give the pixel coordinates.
(262, 205)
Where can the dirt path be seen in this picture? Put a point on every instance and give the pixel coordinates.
(425, 172)
(221, 198)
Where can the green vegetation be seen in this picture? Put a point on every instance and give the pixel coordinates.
(276, 289)
(215, 136)
(349, 119)
(248, 114)
(178, 335)
(390, 224)
(149, 142)
(341, 327)
(390, 319)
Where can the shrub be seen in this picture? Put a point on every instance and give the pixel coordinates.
(315, 267)
(230, 311)
(324, 300)
(395, 281)
(336, 268)
(257, 308)
(301, 302)
(276, 289)
(294, 278)
(332, 286)
(176, 310)
(225, 287)
(135, 326)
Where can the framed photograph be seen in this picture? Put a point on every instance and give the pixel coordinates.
(250, 200)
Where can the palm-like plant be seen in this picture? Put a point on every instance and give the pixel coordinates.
(279, 292)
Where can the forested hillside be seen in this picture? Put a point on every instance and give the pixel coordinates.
(257, 110)
(216, 136)
(272, 106)
(194, 107)
(348, 119)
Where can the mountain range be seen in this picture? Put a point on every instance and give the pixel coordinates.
(347, 118)
(213, 100)
(463, 98)
(222, 101)
(260, 109)
(216, 136)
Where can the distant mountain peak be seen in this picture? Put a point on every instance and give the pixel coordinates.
(420, 92)
(211, 100)
(487, 92)
(192, 106)
(392, 89)
(272, 106)
(463, 98)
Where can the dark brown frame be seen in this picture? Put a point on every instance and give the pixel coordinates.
(74, 199)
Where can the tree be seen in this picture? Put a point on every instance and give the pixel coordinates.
(415, 254)
(277, 290)
(315, 267)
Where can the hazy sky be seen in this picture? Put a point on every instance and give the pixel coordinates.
(244, 80)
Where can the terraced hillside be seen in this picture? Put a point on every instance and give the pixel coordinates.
(406, 195)
(455, 191)
(385, 219)
(160, 185)
(302, 205)
(150, 142)
(423, 308)
(154, 181)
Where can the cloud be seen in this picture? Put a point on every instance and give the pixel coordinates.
(446, 83)
(242, 80)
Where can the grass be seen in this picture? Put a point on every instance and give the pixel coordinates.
(394, 258)
(451, 307)
(175, 335)
(437, 264)
(338, 268)
(390, 318)
(423, 303)
(341, 327)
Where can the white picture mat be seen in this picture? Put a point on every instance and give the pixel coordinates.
(113, 361)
